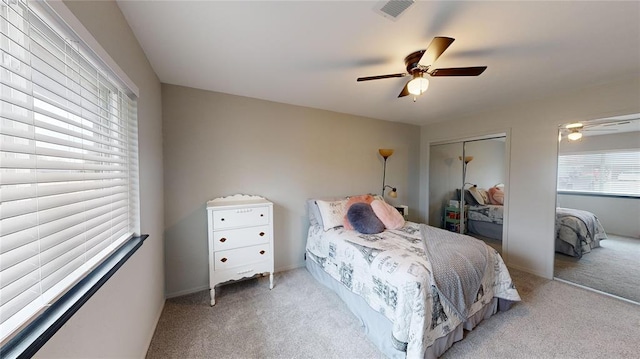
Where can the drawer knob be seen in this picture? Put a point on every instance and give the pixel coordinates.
(261, 234)
(262, 252)
(223, 239)
(261, 215)
(222, 219)
(223, 260)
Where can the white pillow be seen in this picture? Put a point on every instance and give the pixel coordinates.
(485, 195)
(476, 195)
(332, 213)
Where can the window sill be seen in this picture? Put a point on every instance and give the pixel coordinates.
(30, 339)
(596, 194)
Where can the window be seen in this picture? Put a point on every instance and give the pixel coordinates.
(68, 161)
(613, 173)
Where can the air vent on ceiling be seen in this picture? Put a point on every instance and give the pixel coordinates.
(393, 8)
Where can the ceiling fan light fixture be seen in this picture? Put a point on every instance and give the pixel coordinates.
(418, 85)
(574, 125)
(574, 135)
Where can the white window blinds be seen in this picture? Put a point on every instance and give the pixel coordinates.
(68, 161)
(616, 173)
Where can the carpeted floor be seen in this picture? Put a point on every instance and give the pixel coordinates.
(493, 243)
(613, 268)
(300, 318)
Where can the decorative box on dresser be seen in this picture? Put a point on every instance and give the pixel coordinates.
(240, 239)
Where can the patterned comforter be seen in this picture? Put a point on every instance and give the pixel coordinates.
(390, 271)
(577, 232)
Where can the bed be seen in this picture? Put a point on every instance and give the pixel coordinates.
(407, 295)
(485, 211)
(577, 232)
(485, 220)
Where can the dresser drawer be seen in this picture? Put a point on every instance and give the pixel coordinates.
(241, 256)
(241, 237)
(240, 217)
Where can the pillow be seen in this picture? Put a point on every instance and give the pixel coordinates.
(476, 195)
(363, 219)
(315, 218)
(332, 213)
(496, 195)
(485, 195)
(387, 214)
(364, 198)
(468, 197)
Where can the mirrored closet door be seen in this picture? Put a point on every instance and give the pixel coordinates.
(466, 187)
(597, 237)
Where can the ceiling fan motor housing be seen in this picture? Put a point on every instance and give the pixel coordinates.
(413, 62)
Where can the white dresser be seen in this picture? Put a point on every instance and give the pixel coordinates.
(240, 239)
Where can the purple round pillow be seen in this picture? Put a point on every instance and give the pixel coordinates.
(363, 219)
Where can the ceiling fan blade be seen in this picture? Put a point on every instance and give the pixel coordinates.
(405, 91)
(458, 71)
(381, 77)
(435, 49)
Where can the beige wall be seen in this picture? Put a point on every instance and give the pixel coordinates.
(532, 143)
(217, 145)
(119, 320)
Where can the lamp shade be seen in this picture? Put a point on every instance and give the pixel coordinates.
(393, 193)
(385, 152)
(467, 159)
(418, 86)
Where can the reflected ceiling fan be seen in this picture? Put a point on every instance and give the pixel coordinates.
(419, 63)
(574, 131)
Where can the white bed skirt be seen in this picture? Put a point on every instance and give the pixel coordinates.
(377, 327)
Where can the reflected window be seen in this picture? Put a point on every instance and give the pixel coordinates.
(616, 173)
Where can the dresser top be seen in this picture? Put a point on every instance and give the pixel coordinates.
(237, 200)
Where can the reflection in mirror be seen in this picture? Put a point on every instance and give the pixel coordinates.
(485, 180)
(477, 168)
(597, 240)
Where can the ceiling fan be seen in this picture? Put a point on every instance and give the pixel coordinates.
(419, 63)
(574, 131)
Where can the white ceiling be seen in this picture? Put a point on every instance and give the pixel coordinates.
(309, 53)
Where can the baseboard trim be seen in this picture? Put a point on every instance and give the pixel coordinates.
(528, 270)
(186, 291)
(595, 290)
(290, 267)
(206, 287)
(152, 332)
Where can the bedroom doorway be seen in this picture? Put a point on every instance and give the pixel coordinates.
(469, 174)
(597, 236)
